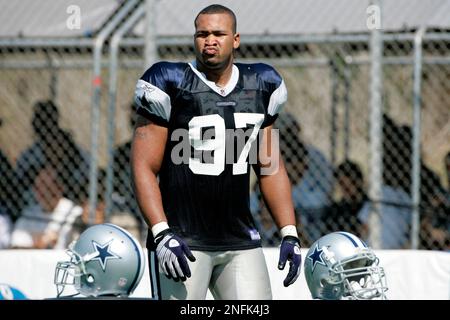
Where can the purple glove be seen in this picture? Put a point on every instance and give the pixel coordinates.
(171, 251)
(290, 250)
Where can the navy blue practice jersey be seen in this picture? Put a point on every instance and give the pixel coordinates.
(205, 174)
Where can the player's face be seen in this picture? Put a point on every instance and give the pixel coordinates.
(215, 40)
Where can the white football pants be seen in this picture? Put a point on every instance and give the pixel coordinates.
(229, 275)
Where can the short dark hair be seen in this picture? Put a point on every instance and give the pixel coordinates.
(45, 117)
(349, 169)
(47, 109)
(218, 8)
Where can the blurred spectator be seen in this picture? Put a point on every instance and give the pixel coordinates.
(395, 203)
(10, 202)
(124, 202)
(7, 208)
(434, 200)
(395, 217)
(447, 169)
(53, 146)
(397, 154)
(312, 179)
(5, 231)
(83, 221)
(124, 220)
(47, 224)
(343, 214)
(435, 211)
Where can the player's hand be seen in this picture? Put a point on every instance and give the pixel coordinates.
(172, 252)
(290, 251)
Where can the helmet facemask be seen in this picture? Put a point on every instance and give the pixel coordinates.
(68, 273)
(361, 276)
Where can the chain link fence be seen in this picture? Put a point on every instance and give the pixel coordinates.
(49, 124)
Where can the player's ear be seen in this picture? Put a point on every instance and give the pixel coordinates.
(236, 40)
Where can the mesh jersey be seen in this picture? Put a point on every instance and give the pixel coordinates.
(206, 196)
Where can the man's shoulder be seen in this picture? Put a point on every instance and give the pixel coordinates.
(32, 154)
(166, 66)
(317, 157)
(165, 72)
(395, 195)
(31, 217)
(262, 71)
(258, 67)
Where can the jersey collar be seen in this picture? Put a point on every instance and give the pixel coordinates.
(223, 91)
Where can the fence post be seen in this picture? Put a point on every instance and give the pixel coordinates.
(151, 49)
(113, 71)
(96, 99)
(376, 152)
(417, 100)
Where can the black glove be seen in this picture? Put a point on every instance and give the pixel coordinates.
(290, 250)
(171, 251)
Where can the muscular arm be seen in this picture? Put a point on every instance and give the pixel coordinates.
(147, 152)
(275, 187)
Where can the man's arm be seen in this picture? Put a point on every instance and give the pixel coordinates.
(276, 190)
(275, 186)
(147, 152)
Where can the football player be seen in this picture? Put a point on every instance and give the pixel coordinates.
(189, 115)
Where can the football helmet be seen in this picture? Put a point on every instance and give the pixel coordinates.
(104, 261)
(339, 266)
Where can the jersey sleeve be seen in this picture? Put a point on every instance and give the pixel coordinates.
(277, 99)
(274, 84)
(152, 94)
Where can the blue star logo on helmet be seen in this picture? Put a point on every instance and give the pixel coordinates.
(316, 257)
(103, 253)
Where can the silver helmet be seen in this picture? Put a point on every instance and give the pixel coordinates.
(105, 261)
(339, 265)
